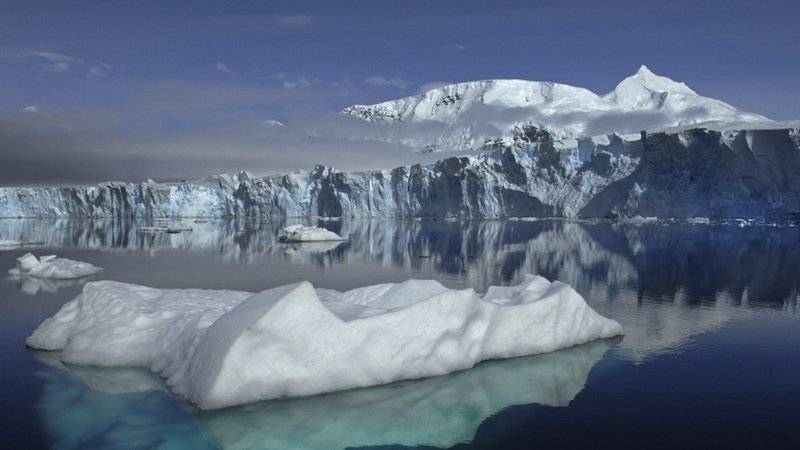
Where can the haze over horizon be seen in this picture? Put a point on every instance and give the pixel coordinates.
(113, 90)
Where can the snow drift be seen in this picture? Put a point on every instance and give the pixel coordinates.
(223, 348)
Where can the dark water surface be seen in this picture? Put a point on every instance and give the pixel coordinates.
(711, 355)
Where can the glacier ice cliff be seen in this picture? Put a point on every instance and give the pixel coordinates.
(692, 173)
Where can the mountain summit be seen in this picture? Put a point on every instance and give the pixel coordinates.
(468, 114)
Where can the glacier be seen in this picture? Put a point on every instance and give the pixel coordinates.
(223, 348)
(700, 172)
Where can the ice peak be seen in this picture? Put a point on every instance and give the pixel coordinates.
(644, 71)
(645, 79)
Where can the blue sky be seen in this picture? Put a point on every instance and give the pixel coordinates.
(148, 79)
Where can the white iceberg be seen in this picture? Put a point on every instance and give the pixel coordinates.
(301, 233)
(51, 266)
(223, 348)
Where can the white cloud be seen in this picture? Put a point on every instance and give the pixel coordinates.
(30, 110)
(455, 47)
(53, 62)
(222, 67)
(393, 82)
(432, 85)
(289, 82)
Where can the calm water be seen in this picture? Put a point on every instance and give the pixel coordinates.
(711, 355)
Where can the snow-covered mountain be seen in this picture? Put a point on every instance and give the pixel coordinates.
(481, 114)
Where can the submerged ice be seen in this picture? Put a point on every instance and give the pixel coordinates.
(118, 406)
(223, 348)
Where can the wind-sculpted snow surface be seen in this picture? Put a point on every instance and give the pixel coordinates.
(695, 173)
(223, 348)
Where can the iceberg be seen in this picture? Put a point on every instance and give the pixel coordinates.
(51, 266)
(300, 233)
(225, 348)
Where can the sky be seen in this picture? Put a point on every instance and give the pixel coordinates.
(130, 90)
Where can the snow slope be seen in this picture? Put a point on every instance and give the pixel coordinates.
(473, 114)
(222, 348)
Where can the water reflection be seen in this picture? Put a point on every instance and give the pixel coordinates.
(32, 286)
(78, 407)
(111, 408)
(664, 283)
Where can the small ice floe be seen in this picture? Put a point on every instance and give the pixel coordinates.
(51, 266)
(639, 220)
(171, 230)
(223, 348)
(300, 233)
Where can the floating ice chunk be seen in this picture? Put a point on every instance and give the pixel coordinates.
(639, 220)
(50, 266)
(223, 348)
(300, 233)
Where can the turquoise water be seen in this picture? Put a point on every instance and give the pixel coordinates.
(710, 356)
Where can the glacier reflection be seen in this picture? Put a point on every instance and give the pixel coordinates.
(121, 408)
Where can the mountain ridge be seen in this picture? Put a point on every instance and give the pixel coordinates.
(471, 113)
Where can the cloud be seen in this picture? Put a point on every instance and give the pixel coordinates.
(392, 82)
(222, 67)
(92, 152)
(289, 82)
(52, 62)
(454, 47)
(99, 70)
(432, 85)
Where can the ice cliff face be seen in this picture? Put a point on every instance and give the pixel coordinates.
(695, 173)
(470, 115)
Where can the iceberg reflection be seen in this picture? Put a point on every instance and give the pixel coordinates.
(85, 407)
(121, 408)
